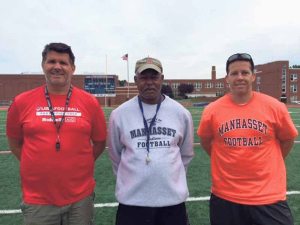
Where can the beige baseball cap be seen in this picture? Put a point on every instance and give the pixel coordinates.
(148, 63)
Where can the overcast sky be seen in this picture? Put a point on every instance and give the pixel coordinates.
(188, 36)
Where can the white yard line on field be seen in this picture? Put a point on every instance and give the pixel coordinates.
(115, 204)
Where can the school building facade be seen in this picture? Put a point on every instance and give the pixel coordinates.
(277, 79)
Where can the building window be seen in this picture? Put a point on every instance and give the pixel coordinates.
(283, 88)
(197, 85)
(294, 77)
(219, 93)
(219, 85)
(175, 85)
(283, 77)
(283, 72)
(293, 88)
(208, 85)
(258, 80)
(294, 99)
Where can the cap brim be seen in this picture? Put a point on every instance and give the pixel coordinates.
(148, 66)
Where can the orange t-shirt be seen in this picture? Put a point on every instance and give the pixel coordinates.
(246, 162)
(48, 176)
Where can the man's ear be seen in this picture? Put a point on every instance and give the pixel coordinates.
(73, 68)
(135, 79)
(226, 78)
(253, 77)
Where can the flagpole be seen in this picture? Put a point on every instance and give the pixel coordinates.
(127, 78)
(105, 104)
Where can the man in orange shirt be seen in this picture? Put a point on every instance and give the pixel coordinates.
(57, 131)
(247, 134)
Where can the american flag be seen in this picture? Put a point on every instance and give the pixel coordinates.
(125, 57)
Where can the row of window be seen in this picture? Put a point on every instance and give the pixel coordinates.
(293, 88)
(199, 85)
(293, 77)
(293, 99)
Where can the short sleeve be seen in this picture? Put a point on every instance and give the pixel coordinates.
(285, 128)
(99, 131)
(13, 124)
(205, 125)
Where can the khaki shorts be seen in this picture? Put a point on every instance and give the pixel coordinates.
(78, 213)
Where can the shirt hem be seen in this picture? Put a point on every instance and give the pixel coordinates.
(245, 201)
(59, 204)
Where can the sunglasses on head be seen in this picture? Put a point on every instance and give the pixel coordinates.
(239, 56)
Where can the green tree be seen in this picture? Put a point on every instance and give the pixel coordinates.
(167, 90)
(122, 83)
(184, 89)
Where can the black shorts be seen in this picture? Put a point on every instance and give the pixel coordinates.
(137, 215)
(223, 212)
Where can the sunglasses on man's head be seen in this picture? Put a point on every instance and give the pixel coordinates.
(237, 56)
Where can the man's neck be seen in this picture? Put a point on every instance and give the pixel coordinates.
(160, 98)
(242, 99)
(58, 90)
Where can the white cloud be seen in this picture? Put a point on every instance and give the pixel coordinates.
(187, 36)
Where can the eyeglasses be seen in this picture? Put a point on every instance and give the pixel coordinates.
(240, 56)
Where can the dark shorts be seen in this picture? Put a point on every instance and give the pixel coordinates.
(223, 212)
(78, 213)
(137, 215)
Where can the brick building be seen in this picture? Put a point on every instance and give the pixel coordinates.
(105, 88)
(206, 89)
(277, 79)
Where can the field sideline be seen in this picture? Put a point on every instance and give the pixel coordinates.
(105, 203)
(115, 204)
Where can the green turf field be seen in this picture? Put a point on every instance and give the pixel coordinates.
(198, 179)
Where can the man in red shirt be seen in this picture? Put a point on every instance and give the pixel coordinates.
(247, 134)
(57, 131)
